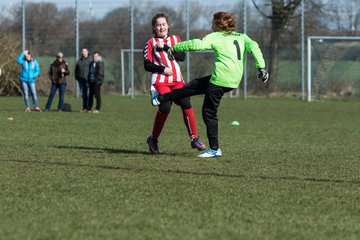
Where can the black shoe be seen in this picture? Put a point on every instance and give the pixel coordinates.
(196, 143)
(153, 145)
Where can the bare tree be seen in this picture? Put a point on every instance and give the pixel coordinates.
(343, 16)
(280, 16)
(47, 28)
(10, 71)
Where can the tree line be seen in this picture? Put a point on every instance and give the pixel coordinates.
(274, 24)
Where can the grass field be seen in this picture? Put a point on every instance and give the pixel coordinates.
(289, 171)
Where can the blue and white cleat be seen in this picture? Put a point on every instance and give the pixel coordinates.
(208, 153)
(154, 96)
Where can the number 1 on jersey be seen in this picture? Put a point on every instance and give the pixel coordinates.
(237, 49)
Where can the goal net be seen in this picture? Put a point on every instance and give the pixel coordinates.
(333, 67)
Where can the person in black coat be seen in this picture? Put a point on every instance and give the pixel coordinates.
(81, 75)
(96, 78)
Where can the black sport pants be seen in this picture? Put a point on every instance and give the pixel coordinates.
(94, 89)
(213, 95)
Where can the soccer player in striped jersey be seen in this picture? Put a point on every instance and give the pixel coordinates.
(229, 47)
(165, 77)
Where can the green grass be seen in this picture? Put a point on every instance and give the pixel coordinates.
(342, 74)
(289, 171)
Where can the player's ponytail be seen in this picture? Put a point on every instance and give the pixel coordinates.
(224, 22)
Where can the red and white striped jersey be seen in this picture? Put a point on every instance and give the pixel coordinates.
(161, 58)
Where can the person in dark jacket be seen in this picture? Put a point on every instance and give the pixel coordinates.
(96, 78)
(57, 73)
(81, 75)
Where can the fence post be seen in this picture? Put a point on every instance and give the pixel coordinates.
(132, 47)
(245, 64)
(77, 88)
(23, 26)
(122, 73)
(187, 38)
(302, 52)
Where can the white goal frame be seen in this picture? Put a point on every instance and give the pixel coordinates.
(309, 80)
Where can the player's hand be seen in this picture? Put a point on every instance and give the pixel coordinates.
(160, 44)
(264, 75)
(170, 54)
(167, 72)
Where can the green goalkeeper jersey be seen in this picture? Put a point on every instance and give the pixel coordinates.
(229, 55)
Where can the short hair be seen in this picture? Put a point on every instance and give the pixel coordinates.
(224, 21)
(59, 55)
(158, 15)
(96, 52)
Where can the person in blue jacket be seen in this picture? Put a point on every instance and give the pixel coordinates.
(30, 70)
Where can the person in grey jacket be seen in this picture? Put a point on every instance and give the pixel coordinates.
(96, 78)
(81, 75)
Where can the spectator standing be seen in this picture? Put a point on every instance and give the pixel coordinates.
(96, 78)
(82, 75)
(30, 70)
(57, 73)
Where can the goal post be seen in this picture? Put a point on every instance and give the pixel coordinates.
(330, 60)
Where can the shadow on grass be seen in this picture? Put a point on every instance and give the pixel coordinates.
(206, 174)
(120, 151)
(289, 178)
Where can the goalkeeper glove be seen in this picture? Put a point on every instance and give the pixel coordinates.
(263, 75)
(170, 53)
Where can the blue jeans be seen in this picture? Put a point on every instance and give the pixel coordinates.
(54, 88)
(84, 88)
(26, 86)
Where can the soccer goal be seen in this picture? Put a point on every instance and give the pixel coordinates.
(333, 66)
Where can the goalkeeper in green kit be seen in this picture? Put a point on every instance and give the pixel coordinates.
(229, 47)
